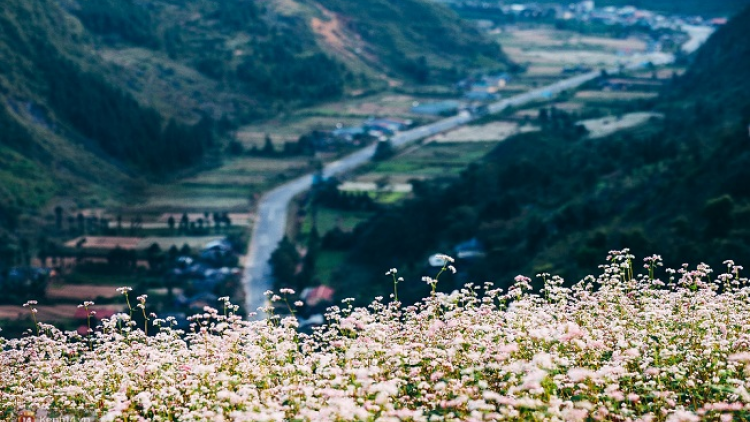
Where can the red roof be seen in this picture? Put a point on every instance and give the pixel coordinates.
(100, 313)
(318, 294)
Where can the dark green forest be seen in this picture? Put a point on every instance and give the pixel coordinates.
(119, 20)
(87, 104)
(555, 202)
(119, 125)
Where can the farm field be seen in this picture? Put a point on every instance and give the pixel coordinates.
(551, 38)
(229, 187)
(491, 132)
(546, 51)
(433, 159)
(80, 292)
(329, 116)
(599, 128)
(614, 95)
(142, 243)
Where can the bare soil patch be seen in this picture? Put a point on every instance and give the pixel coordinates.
(105, 242)
(46, 313)
(614, 95)
(81, 291)
(373, 187)
(604, 126)
(631, 44)
(495, 131)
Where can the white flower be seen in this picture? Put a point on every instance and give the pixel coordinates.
(445, 258)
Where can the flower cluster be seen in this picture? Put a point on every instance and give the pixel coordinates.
(617, 347)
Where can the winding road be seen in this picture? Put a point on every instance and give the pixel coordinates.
(270, 219)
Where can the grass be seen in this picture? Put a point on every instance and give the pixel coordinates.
(230, 186)
(23, 179)
(435, 159)
(388, 197)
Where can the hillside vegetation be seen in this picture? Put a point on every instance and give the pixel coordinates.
(547, 201)
(418, 39)
(719, 74)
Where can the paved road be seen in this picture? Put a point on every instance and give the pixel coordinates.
(270, 220)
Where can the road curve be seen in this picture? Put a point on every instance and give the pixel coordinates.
(270, 218)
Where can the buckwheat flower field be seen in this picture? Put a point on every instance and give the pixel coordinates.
(617, 347)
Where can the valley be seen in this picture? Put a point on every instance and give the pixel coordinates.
(218, 198)
(381, 210)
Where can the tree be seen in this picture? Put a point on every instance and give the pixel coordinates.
(154, 256)
(718, 212)
(268, 148)
(383, 151)
(184, 223)
(235, 148)
(170, 223)
(25, 249)
(382, 182)
(308, 263)
(42, 246)
(543, 116)
(58, 217)
(173, 253)
(81, 223)
(217, 221)
(284, 262)
(185, 250)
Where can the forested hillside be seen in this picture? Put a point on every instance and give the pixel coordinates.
(553, 201)
(719, 74)
(37, 158)
(62, 117)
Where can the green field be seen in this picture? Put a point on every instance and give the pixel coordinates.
(434, 159)
(232, 186)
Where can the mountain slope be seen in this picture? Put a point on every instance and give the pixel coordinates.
(418, 38)
(719, 73)
(247, 59)
(39, 161)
